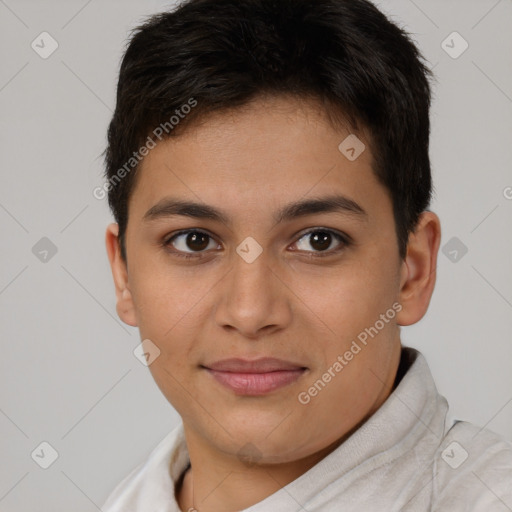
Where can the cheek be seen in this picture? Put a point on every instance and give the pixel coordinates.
(346, 300)
(168, 299)
(167, 312)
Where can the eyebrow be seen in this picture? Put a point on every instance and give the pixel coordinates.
(168, 207)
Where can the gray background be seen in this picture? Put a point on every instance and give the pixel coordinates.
(68, 373)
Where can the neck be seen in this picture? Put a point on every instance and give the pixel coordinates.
(218, 482)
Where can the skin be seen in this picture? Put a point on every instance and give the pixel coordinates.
(288, 303)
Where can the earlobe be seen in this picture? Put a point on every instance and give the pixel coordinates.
(418, 275)
(125, 306)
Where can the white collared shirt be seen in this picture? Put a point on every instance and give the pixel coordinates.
(408, 457)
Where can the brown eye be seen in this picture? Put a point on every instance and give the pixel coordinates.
(321, 241)
(190, 242)
(197, 241)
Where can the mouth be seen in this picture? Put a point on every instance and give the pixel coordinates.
(254, 378)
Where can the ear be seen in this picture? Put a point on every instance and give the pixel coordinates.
(125, 306)
(418, 272)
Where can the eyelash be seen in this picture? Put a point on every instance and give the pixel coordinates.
(344, 239)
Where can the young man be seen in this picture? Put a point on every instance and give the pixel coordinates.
(268, 171)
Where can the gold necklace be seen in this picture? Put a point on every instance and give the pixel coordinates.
(193, 507)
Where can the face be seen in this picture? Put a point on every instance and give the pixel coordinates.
(259, 298)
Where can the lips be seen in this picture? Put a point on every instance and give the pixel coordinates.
(256, 377)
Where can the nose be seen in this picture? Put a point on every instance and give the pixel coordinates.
(253, 299)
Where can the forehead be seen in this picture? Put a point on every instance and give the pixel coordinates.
(260, 156)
